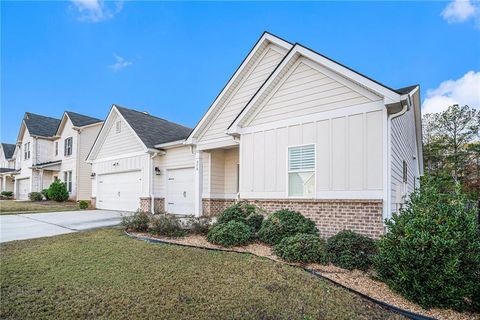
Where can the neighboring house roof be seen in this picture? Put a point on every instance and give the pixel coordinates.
(3, 170)
(406, 90)
(80, 120)
(47, 164)
(152, 130)
(8, 150)
(39, 125)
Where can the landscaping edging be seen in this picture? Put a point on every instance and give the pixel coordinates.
(403, 312)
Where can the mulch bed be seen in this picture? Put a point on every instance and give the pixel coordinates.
(357, 280)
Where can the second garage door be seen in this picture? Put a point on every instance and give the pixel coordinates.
(180, 191)
(23, 189)
(119, 191)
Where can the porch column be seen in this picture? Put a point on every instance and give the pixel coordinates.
(4, 184)
(15, 188)
(198, 183)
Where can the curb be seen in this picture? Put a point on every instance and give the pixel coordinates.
(403, 312)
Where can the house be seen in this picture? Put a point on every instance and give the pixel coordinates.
(51, 149)
(139, 161)
(295, 129)
(7, 166)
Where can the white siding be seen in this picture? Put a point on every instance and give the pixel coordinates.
(86, 139)
(117, 144)
(403, 147)
(305, 90)
(255, 78)
(69, 163)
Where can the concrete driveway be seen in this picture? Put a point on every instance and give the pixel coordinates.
(37, 225)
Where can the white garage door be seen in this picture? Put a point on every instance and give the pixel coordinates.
(180, 191)
(119, 191)
(23, 189)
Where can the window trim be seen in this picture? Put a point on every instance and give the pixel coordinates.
(65, 146)
(26, 151)
(68, 182)
(303, 170)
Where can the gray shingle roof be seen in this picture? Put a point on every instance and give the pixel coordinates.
(39, 125)
(80, 120)
(152, 130)
(8, 150)
(406, 90)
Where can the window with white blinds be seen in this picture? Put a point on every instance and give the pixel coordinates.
(301, 171)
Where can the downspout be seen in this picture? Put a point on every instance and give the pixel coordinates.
(392, 116)
(152, 196)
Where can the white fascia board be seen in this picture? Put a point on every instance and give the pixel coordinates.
(265, 37)
(170, 144)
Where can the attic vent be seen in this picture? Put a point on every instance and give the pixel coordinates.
(145, 112)
(118, 127)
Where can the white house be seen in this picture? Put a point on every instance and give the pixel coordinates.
(7, 166)
(291, 129)
(51, 149)
(139, 161)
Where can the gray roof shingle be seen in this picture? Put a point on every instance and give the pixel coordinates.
(39, 125)
(152, 130)
(406, 90)
(80, 120)
(8, 150)
(3, 170)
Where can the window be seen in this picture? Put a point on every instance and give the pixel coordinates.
(67, 178)
(56, 148)
(301, 171)
(68, 146)
(405, 172)
(118, 126)
(26, 151)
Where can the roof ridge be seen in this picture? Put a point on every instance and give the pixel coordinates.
(41, 115)
(81, 114)
(148, 114)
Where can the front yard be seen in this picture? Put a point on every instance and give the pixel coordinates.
(104, 274)
(16, 207)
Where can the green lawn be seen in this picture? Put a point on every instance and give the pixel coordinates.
(16, 207)
(105, 274)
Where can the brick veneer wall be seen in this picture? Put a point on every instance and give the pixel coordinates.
(158, 204)
(93, 202)
(213, 207)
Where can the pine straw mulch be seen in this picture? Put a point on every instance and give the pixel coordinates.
(357, 280)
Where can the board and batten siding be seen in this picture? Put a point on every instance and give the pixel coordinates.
(349, 153)
(118, 144)
(259, 72)
(403, 148)
(223, 168)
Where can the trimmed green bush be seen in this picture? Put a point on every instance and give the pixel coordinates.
(254, 221)
(431, 254)
(82, 204)
(285, 223)
(232, 233)
(199, 225)
(35, 196)
(45, 194)
(7, 194)
(303, 248)
(237, 212)
(57, 191)
(166, 225)
(139, 222)
(350, 250)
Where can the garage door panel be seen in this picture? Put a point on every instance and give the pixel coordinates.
(180, 191)
(119, 191)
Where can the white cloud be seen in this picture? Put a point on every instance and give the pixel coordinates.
(96, 10)
(461, 10)
(120, 63)
(463, 91)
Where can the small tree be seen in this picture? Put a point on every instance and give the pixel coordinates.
(57, 191)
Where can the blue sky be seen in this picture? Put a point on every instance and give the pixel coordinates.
(172, 59)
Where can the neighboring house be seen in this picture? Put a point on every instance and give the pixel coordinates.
(140, 162)
(7, 166)
(51, 149)
(295, 129)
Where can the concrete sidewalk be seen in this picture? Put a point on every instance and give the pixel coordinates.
(37, 225)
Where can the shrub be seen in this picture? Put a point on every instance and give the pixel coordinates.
(431, 254)
(350, 250)
(285, 223)
(82, 204)
(199, 226)
(232, 233)
(57, 191)
(237, 212)
(166, 225)
(7, 194)
(35, 196)
(254, 221)
(139, 222)
(302, 247)
(45, 194)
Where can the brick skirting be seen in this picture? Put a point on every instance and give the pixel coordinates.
(330, 216)
(93, 202)
(158, 204)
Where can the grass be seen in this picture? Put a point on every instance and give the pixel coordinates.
(16, 207)
(105, 274)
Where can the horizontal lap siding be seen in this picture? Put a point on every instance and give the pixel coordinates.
(86, 140)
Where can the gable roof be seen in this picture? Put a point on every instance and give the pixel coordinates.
(39, 125)
(80, 120)
(265, 39)
(153, 130)
(8, 150)
(406, 90)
